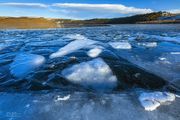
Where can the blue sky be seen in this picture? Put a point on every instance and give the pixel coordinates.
(85, 9)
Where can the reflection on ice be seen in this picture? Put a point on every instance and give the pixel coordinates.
(95, 74)
(150, 101)
(23, 64)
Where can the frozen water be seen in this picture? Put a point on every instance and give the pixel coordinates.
(117, 74)
(71, 47)
(24, 63)
(120, 45)
(150, 101)
(94, 52)
(94, 74)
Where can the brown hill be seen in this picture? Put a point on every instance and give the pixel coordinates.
(26, 23)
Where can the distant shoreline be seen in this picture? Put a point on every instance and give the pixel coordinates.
(48, 23)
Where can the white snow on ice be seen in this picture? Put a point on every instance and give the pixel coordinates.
(94, 74)
(23, 64)
(150, 101)
(94, 52)
(72, 46)
(65, 98)
(120, 45)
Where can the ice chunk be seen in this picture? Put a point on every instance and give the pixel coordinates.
(94, 74)
(75, 37)
(71, 47)
(150, 101)
(148, 44)
(94, 52)
(120, 45)
(23, 64)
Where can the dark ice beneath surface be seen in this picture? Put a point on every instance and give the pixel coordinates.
(80, 106)
(95, 66)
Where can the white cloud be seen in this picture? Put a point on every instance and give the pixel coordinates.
(76, 10)
(33, 5)
(114, 8)
(175, 11)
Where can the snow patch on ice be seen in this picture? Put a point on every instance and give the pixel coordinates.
(23, 64)
(71, 47)
(151, 101)
(120, 45)
(94, 52)
(94, 74)
(59, 98)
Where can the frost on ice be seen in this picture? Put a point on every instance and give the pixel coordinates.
(150, 101)
(59, 98)
(23, 64)
(148, 44)
(94, 74)
(94, 52)
(120, 45)
(72, 46)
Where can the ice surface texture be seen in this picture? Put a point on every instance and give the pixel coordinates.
(95, 74)
(24, 63)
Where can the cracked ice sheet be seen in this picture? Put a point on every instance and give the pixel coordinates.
(94, 74)
(81, 106)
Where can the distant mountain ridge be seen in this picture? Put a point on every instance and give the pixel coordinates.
(43, 23)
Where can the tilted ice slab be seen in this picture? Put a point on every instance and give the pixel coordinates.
(23, 64)
(94, 74)
(94, 52)
(72, 46)
(148, 44)
(120, 45)
(150, 101)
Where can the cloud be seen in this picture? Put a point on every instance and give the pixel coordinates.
(175, 11)
(77, 10)
(113, 8)
(31, 5)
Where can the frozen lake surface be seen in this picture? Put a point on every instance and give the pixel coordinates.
(114, 72)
